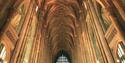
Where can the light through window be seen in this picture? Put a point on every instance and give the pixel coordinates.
(62, 59)
(2, 53)
(121, 53)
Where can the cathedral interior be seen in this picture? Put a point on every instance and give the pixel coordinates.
(62, 31)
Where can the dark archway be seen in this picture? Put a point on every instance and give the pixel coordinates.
(62, 57)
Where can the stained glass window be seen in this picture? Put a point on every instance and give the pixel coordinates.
(121, 53)
(62, 59)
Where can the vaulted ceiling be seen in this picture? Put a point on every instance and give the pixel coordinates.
(62, 21)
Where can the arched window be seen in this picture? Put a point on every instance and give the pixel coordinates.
(62, 57)
(2, 53)
(121, 52)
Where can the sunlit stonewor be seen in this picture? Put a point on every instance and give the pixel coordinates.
(62, 31)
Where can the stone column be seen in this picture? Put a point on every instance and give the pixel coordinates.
(24, 30)
(100, 32)
(89, 45)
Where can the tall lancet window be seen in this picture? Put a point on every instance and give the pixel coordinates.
(62, 58)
